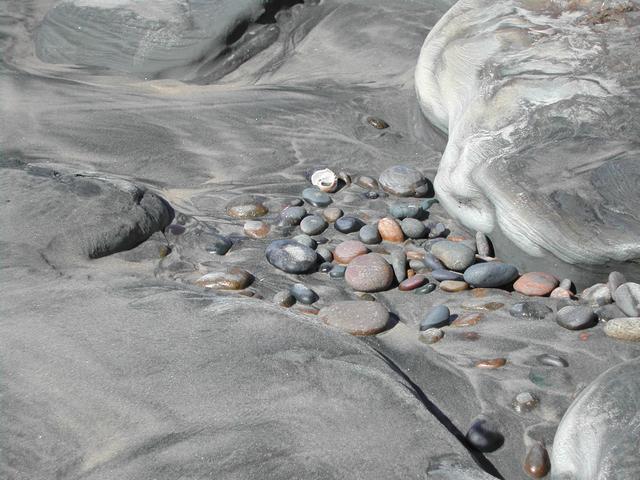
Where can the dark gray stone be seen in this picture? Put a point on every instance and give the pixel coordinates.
(413, 228)
(576, 317)
(484, 435)
(403, 210)
(303, 294)
(348, 224)
(316, 197)
(437, 317)
(608, 312)
(425, 289)
(432, 262)
(338, 271)
(438, 230)
(442, 274)
(369, 234)
(292, 215)
(218, 244)
(291, 257)
(490, 274)
(399, 263)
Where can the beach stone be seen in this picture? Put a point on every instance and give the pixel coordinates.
(303, 294)
(369, 235)
(536, 463)
(347, 251)
(432, 262)
(455, 256)
(576, 317)
(597, 295)
(491, 363)
(404, 181)
(234, 278)
(404, 210)
(390, 230)
(431, 335)
(306, 240)
(332, 214)
(377, 123)
(453, 286)
(437, 317)
(525, 402)
(490, 274)
(325, 254)
(608, 312)
(356, 317)
(366, 182)
(559, 292)
(416, 265)
(536, 284)
(256, 229)
(484, 435)
(399, 263)
(313, 225)
(246, 206)
(467, 320)
(623, 329)
(441, 275)
(338, 271)
(536, 310)
(292, 215)
(615, 280)
(438, 230)
(627, 298)
(412, 283)
(325, 267)
(316, 197)
(426, 289)
(344, 177)
(348, 224)
(566, 283)
(483, 246)
(291, 256)
(428, 203)
(371, 195)
(283, 298)
(369, 273)
(218, 244)
(551, 360)
(413, 228)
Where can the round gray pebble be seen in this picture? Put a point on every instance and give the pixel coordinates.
(313, 225)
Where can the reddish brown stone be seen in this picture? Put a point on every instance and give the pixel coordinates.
(467, 319)
(390, 230)
(491, 363)
(347, 251)
(536, 284)
(412, 283)
(537, 463)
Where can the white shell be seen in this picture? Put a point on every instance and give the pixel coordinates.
(325, 179)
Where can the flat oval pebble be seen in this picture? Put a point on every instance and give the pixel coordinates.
(484, 435)
(596, 295)
(551, 360)
(284, 299)
(292, 215)
(399, 264)
(623, 329)
(442, 275)
(218, 244)
(291, 257)
(316, 197)
(412, 283)
(413, 228)
(431, 335)
(490, 274)
(390, 230)
(536, 284)
(453, 286)
(233, 278)
(576, 317)
(369, 235)
(256, 229)
(403, 180)
(303, 294)
(525, 402)
(313, 225)
(332, 214)
(338, 271)
(347, 251)
(356, 317)
(403, 210)
(482, 245)
(369, 273)
(246, 206)
(432, 262)
(491, 363)
(367, 182)
(426, 289)
(535, 310)
(467, 320)
(627, 298)
(348, 224)
(437, 317)
(536, 463)
(455, 256)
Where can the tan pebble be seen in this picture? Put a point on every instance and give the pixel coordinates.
(453, 286)
(491, 363)
(467, 320)
(332, 214)
(411, 272)
(390, 230)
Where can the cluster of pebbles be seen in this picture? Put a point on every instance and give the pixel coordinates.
(401, 249)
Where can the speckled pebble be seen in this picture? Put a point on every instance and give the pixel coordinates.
(356, 317)
(404, 181)
(536, 284)
(292, 215)
(305, 240)
(369, 273)
(348, 250)
(284, 299)
(484, 435)
(291, 257)
(623, 329)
